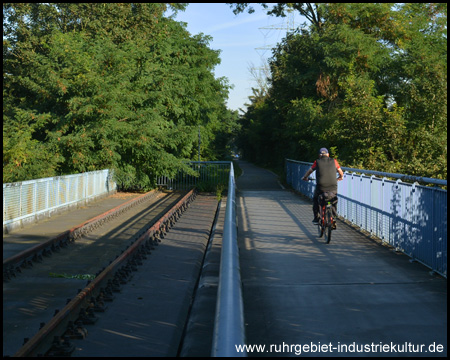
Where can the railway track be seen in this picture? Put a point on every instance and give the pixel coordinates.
(49, 299)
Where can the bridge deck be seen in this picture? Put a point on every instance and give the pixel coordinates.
(299, 290)
(149, 317)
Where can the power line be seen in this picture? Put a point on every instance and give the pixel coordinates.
(288, 24)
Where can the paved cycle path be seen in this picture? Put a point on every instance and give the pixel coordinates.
(352, 297)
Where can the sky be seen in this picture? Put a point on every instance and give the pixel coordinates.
(244, 40)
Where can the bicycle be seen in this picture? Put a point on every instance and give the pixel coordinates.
(326, 218)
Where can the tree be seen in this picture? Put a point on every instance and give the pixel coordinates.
(115, 86)
(312, 12)
(368, 81)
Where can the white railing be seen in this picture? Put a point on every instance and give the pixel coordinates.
(27, 201)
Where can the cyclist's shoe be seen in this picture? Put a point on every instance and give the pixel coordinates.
(333, 226)
(316, 220)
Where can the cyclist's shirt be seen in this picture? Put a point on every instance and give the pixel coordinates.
(326, 168)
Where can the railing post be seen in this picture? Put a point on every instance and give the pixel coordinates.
(20, 200)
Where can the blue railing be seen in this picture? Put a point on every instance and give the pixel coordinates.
(229, 321)
(410, 217)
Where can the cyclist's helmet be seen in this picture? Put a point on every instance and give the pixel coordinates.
(323, 151)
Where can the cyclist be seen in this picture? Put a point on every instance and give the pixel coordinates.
(326, 180)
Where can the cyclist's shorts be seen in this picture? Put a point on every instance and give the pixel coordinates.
(328, 196)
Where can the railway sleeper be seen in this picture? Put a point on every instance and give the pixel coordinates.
(101, 302)
(100, 306)
(137, 259)
(37, 257)
(26, 264)
(55, 247)
(10, 272)
(61, 347)
(123, 272)
(155, 240)
(63, 243)
(87, 316)
(97, 305)
(127, 270)
(76, 330)
(106, 294)
(142, 251)
(133, 264)
(122, 278)
(150, 243)
(147, 247)
(115, 285)
(75, 234)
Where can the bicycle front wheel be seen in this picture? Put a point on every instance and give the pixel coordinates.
(320, 229)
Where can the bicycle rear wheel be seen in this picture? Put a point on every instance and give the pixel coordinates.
(322, 219)
(328, 225)
(328, 234)
(320, 225)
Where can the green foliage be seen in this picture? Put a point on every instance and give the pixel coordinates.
(367, 81)
(120, 86)
(213, 178)
(23, 156)
(76, 276)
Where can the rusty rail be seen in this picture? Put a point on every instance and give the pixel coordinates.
(57, 326)
(11, 265)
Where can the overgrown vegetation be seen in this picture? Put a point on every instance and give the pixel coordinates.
(367, 81)
(88, 86)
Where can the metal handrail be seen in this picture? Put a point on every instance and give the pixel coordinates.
(229, 320)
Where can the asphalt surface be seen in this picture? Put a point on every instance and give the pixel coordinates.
(352, 297)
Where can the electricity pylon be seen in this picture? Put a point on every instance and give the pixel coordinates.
(262, 72)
